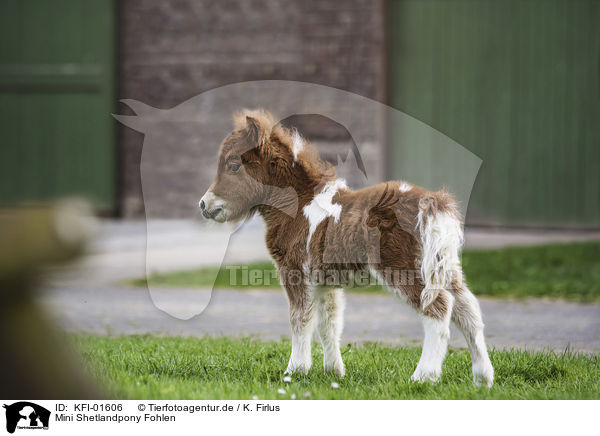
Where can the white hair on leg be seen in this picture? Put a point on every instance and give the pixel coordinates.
(483, 371)
(467, 316)
(300, 359)
(435, 345)
(330, 315)
(302, 323)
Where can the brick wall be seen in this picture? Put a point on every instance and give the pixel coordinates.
(172, 50)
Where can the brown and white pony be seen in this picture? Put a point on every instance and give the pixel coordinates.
(319, 228)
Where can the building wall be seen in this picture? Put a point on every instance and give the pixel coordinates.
(172, 50)
(56, 96)
(517, 84)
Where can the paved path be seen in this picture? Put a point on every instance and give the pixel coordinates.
(89, 295)
(263, 313)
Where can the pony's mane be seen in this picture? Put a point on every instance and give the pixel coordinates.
(308, 156)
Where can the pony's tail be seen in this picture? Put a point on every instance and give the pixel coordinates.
(441, 236)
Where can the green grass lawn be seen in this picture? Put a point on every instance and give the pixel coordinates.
(145, 367)
(569, 271)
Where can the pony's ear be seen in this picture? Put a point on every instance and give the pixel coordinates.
(253, 129)
(257, 124)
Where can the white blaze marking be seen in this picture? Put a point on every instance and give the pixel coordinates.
(405, 187)
(211, 200)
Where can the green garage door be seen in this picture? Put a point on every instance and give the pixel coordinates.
(56, 96)
(518, 84)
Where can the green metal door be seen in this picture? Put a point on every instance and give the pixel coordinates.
(56, 97)
(517, 83)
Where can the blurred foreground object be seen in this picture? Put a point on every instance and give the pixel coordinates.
(37, 363)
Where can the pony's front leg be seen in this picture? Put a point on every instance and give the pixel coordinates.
(302, 317)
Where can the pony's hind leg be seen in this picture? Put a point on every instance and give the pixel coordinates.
(330, 316)
(436, 324)
(467, 316)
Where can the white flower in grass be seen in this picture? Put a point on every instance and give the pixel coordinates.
(254, 397)
(334, 385)
(287, 379)
(281, 391)
(293, 396)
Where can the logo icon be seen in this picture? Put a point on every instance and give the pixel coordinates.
(26, 415)
(349, 129)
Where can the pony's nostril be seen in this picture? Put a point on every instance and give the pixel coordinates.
(202, 205)
(215, 211)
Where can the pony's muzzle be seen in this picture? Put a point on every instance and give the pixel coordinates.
(211, 206)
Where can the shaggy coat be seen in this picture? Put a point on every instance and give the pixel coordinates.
(323, 236)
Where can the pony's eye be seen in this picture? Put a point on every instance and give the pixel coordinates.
(234, 167)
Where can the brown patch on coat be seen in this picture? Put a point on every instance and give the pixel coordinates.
(377, 227)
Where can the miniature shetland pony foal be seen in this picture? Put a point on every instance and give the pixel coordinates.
(318, 231)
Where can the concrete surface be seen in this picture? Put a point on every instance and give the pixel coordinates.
(120, 310)
(89, 296)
